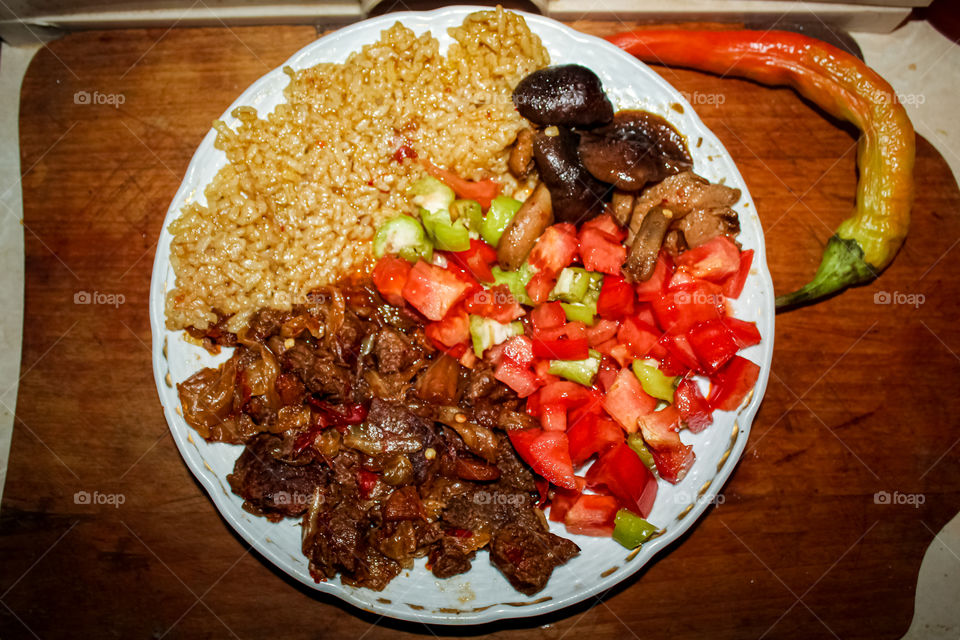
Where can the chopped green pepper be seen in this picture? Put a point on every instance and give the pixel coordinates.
(516, 281)
(575, 283)
(404, 236)
(501, 212)
(579, 371)
(635, 442)
(580, 312)
(485, 333)
(447, 235)
(469, 211)
(654, 381)
(631, 530)
(431, 194)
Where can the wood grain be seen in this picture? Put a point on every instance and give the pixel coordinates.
(862, 396)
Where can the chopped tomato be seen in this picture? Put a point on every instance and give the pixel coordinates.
(607, 375)
(562, 499)
(657, 284)
(621, 472)
(593, 405)
(733, 287)
(520, 379)
(637, 336)
(561, 349)
(555, 249)
(616, 298)
(591, 435)
(693, 407)
(626, 401)
(746, 333)
(553, 417)
(592, 515)
(540, 286)
(732, 383)
(683, 306)
(454, 329)
(389, 276)
(607, 225)
(565, 393)
(602, 331)
(519, 350)
(715, 260)
(533, 403)
(476, 260)
(570, 331)
(713, 342)
(433, 291)
(547, 453)
(542, 369)
(601, 253)
(483, 191)
(660, 432)
(496, 303)
(547, 316)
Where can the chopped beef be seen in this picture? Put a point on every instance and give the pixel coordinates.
(527, 556)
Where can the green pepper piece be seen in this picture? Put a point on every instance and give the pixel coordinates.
(446, 234)
(576, 284)
(631, 530)
(431, 194)
(579, 371)
(516, 281)
(635, 442)
(469, 211)
(501, 212)
(486, 332)
(404, 236)
(580, 312)
(654, 381)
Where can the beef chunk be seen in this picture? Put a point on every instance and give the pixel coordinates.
(394, 352)
(527, 556)
(271, 487)
(317, 371)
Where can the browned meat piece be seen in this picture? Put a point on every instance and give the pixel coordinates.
(642, 257)
(514, 473)
(271, 487)
(527, 556)
(681, 194)
(485, 508)
(440, 381)
(217, 335)
(636, 148)
(520, 161)
(453, 555)
(394, 352)
(530, 221)
(319, 374)
(482, 385)
(704, 225)
(265, 323)
(290, 388)
(403, 504)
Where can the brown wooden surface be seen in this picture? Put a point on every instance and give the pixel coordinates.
(862, 396)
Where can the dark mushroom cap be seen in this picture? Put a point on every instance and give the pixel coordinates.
(574, 192)
(568, 95)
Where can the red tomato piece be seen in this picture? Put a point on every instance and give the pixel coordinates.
(592, 515)
(561, 349)
(542, 369)
(609, 369)
(591, 435)
(657, 284)
(732, 383)
(547, 453)
(715, 260)
(569, 331)
(746, 333)
(626, 401)
(600, 253)
(496, 303)
(540, 286)
(620, 471)
(616, 298)
(562, 499)
(733, 287)
(681, 307)
(553, 417)
(565, 393)
(518, 378)
(519, 350)
(660, 431)
(433, 291)
(555, 249)
(713, 343)
(547, 316)
(476, 260)
(607, 225)
(637, 336)
(693, 407)
(389, 276)
(454, 329)
(533, 404)
(483, 191)
(602, 331)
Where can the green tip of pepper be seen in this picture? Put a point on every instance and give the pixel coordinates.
(842, 266)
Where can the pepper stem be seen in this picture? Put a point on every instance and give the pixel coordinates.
(842, 266)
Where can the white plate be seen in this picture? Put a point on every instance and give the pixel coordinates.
(483, 594)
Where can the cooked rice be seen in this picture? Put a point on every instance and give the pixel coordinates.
(304, 190)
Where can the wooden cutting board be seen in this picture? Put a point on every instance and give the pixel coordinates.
(862, 396)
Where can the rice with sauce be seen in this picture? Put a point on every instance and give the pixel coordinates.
(305, 189)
